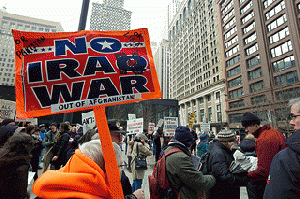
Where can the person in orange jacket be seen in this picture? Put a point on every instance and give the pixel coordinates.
(82, 177)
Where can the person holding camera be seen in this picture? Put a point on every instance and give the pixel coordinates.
(140, 149)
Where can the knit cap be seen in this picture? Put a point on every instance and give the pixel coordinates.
(226, 136)
(184, 135)
(203, 138)
(6, 121)
(249, 119)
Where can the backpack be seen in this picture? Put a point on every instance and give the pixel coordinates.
(159, 185)
(204, 161)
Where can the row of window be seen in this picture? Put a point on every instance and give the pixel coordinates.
(279, 35)
(25, 27)
(283, 64)
(232, 51)
(276, 23)
(235, 82)
(230, 23)
(249, 27)
(254, 101)
(252, 49)
(228, 15)
(287, 78)
(233, 61)
(230, 32)
(250, 39)
(281, 49)
(275, 10)
(246, 7)
(231, 41)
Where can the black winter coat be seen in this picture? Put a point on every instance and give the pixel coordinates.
(6, 132)
(227, 183)
(14, 177)
(285, 171)
(60, 147)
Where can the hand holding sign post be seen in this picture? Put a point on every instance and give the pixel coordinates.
(76, 71)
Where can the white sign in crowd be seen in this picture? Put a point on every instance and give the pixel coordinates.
(88, 121)
(170, 124)
(135, 126)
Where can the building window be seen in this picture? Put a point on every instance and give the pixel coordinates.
(228, 6)
(267, 3)
(230, 23)
(281, 49)
(234, 71)
(258, 100)
(287, 78)
(218, 95)
(277, 22)
(231, 41)
(275, 10)
(230, 32)
(247, 17)
(250, 39)
(279, 35)
(232, 51)
(252, 49)
(209, 114)
(235, 118)
(288, 94)
(236, 104)
(233, 61)
(235, 82)
(227, 16)
(249, 27)
(253, 61)
(236, 93)
(257, 86)
(283, 64)
(254, 74)
(202, 116)
(246, 7)
(4, 24)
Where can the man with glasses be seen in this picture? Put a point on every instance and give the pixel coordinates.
(284, 179)
(269, 142)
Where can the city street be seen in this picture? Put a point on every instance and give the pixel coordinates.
(145, 185)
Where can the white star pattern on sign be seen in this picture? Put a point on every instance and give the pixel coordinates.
(106, 44)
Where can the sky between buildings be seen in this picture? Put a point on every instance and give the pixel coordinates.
(145, 14)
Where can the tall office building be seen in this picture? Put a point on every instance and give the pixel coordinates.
(196, 77)
(162, 65)
(172, 9)
(110, 16)
(261, 45)
(7, 46)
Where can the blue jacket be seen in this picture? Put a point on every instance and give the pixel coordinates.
(284, 178)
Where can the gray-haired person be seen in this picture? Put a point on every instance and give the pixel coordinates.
(284, 178)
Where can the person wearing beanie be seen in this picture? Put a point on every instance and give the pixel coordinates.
(7, 129)
(219, 161)
(268, 143)
(203, 145)
(180, 169)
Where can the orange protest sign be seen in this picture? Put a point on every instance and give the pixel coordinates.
(111, 166)
(73, 71)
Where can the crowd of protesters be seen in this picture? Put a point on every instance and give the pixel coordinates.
(73, 162)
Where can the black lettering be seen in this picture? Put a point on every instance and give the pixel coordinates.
(100, 63)
(17, 41)
(58, 90)
(130, 82)
(34, 71)
(100, 87)
(54, 68)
